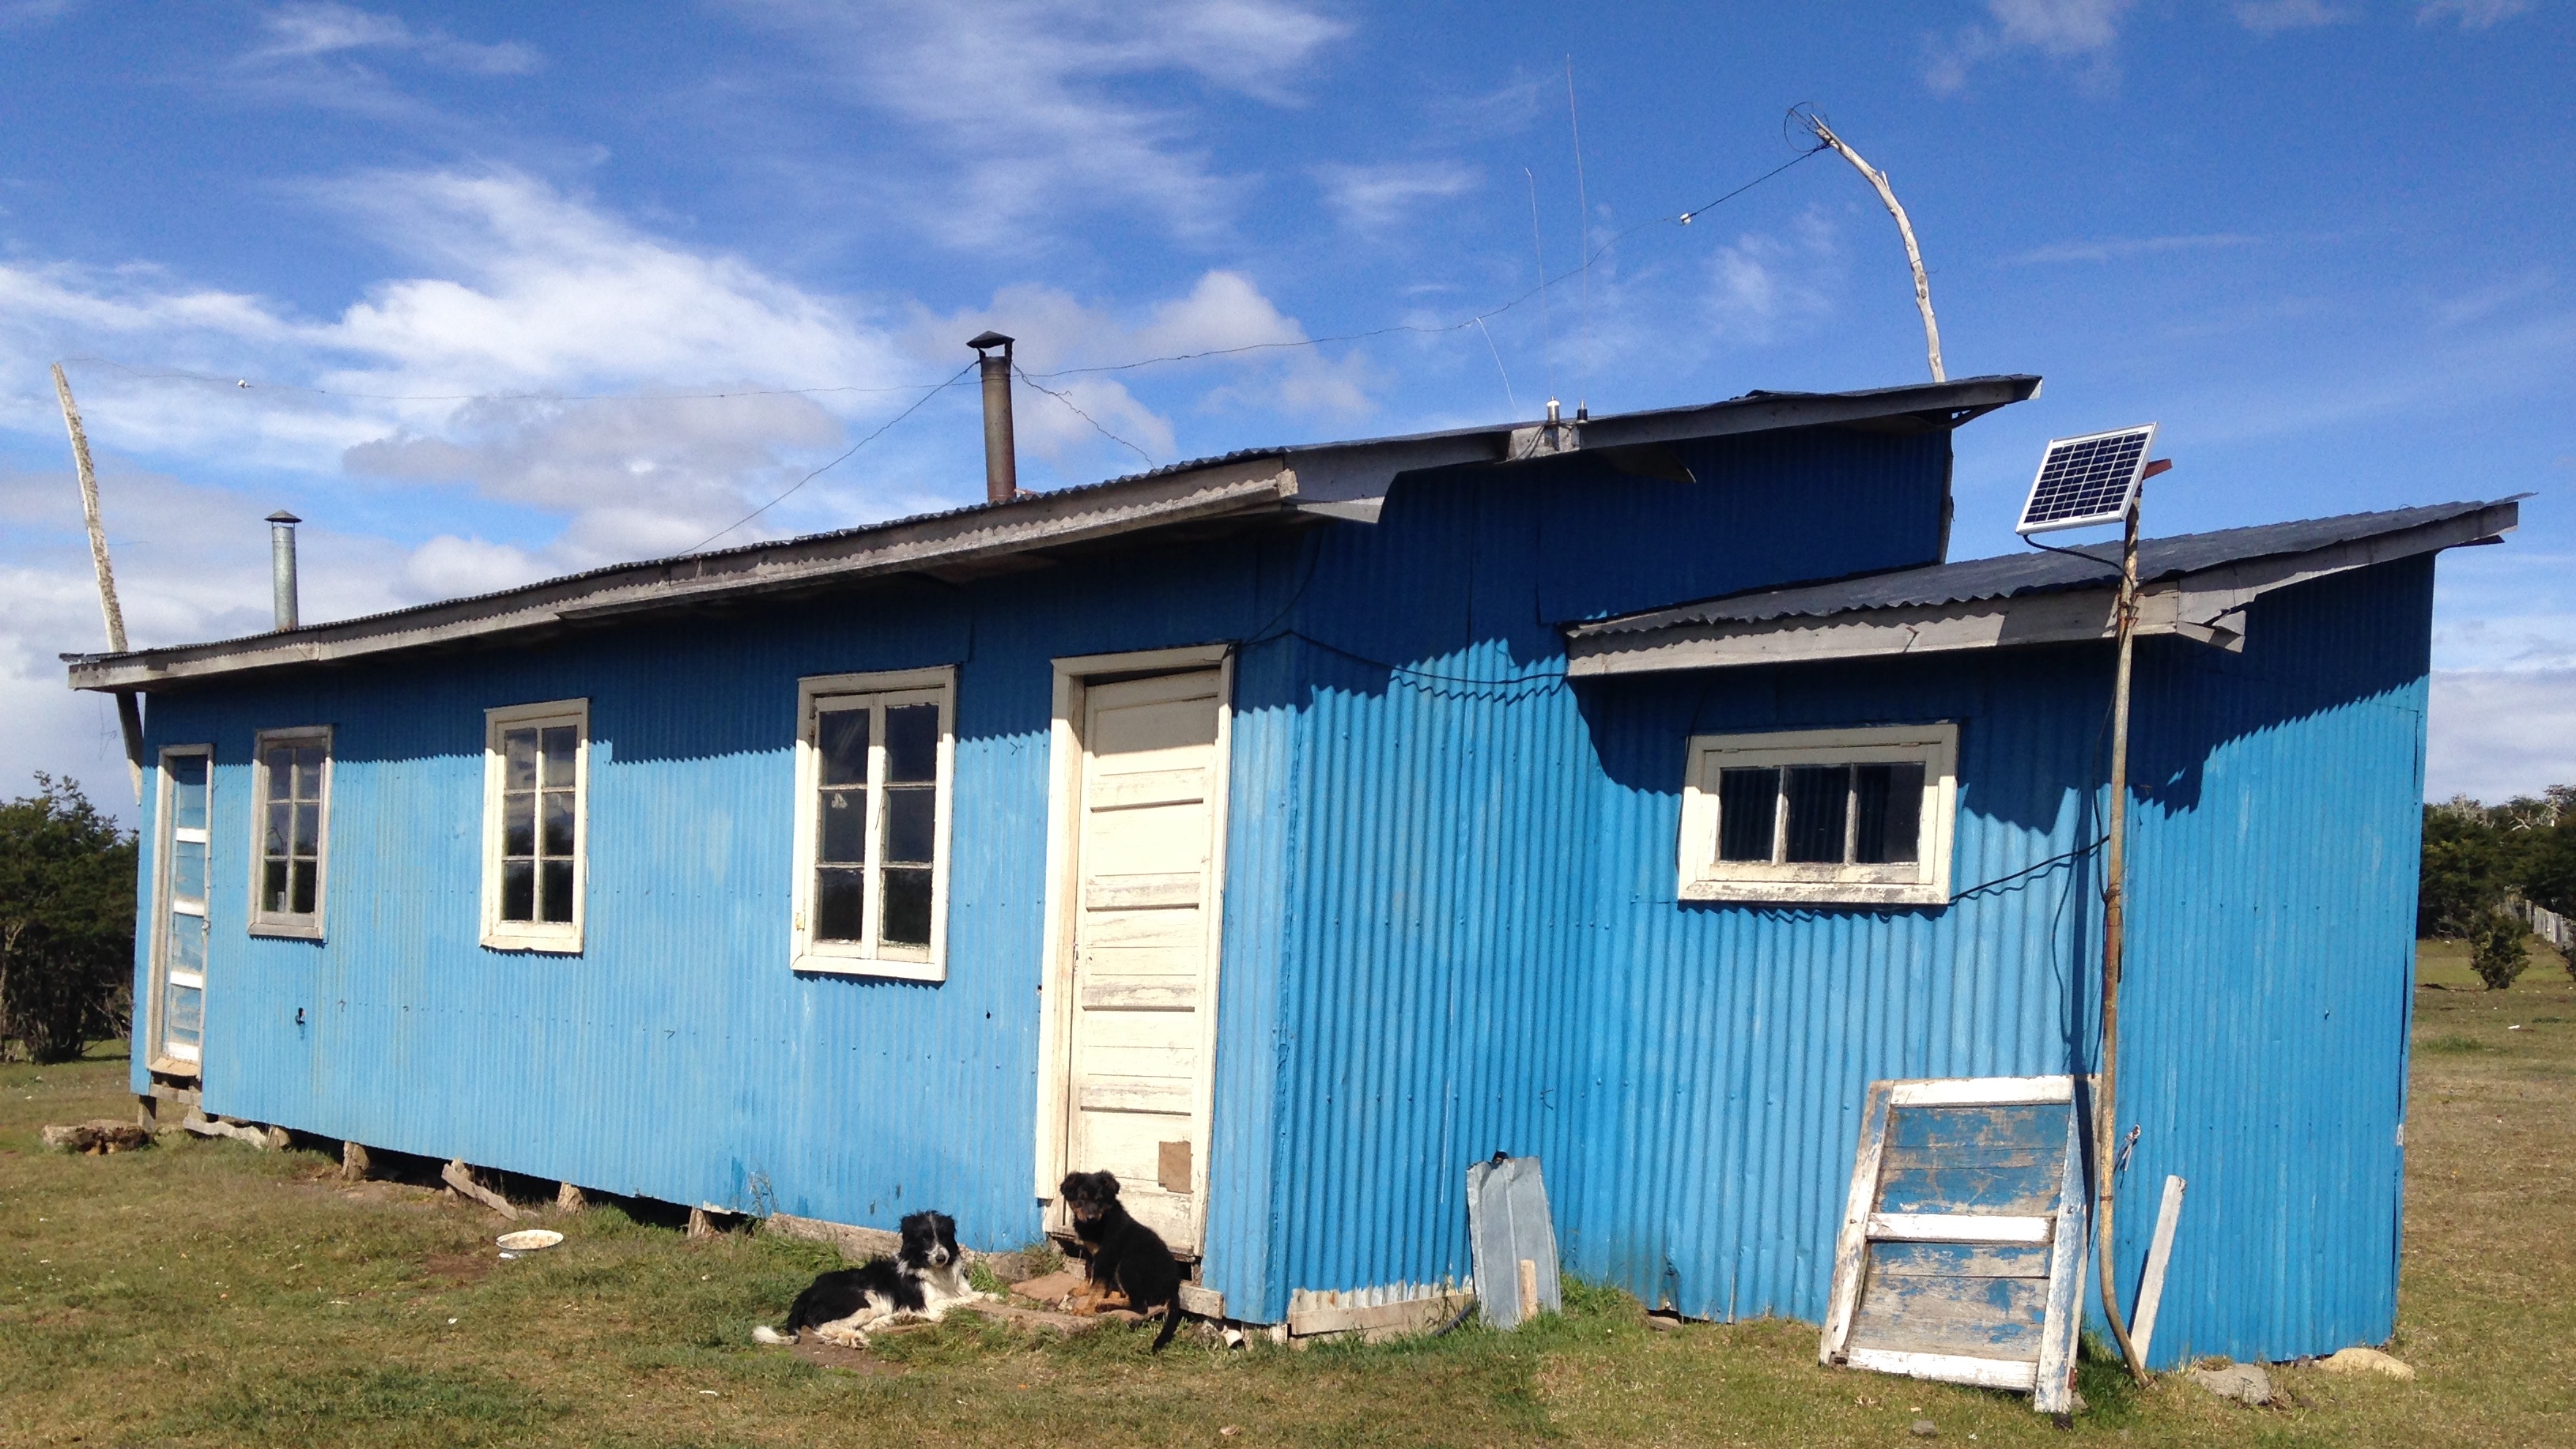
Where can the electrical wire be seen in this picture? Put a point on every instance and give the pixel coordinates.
(1086, 417)
(881, 431)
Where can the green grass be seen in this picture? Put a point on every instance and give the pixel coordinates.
(207, 1293)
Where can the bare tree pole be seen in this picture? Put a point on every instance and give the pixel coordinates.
(129, 716)
(1905, 228)
(2106, 1120)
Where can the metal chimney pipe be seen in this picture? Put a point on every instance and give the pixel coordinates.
(1001, 453)
(281, 565)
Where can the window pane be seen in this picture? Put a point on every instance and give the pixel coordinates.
(912, 742)
(518, 759)
(1818, 797)
(910, 824)
(843, 838)
(558, 824)
(1747, 801)
(1887, 813)
(281, 824)
(518, 890)
(183, 1014)
(304, 877)
(308, 772)
(561, 743)
(272, 887)
(557, 876)
(841, 738)
(837, 912)
(519, 824)
(187, 942)
(907, 907)
(279, 765)
(308, 829)
(188, 869)
(188, 792)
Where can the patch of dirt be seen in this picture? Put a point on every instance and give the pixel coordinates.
(855, 1360)
(458, 1269)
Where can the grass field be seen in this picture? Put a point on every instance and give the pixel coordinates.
(211, 1293)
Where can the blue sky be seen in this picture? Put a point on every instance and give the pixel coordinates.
(489, 268)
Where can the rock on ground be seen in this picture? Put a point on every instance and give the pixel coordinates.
(2245, 1383)
(2365, 1361)
(96, 1136)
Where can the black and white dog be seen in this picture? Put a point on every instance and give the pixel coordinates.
(1122, 1256)
(924, 1279)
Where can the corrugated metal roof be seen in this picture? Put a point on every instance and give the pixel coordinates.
(2039, 572)
(1245, 482)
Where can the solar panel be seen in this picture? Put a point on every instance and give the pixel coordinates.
(2087, 480)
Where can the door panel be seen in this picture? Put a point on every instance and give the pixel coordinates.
(1142, 953)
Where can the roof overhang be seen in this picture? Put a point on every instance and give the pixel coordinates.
(2206, 605)
(1302, 484)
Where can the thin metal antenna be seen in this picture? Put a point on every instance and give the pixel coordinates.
(1905, 228)
(1546, 331)
(1499, 368)
(1582, 239)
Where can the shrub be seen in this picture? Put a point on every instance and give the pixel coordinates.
(2499, 948)
(66, 923)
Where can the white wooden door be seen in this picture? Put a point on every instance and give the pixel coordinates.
(178, 1006)
(1144, 948)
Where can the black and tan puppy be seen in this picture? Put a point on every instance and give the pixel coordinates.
(1122, 1256)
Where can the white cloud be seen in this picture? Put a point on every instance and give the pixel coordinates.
(2064, 30)
(1381, 197)
(2479, 303)
(2472, 14)
(1036, 102)
(2271, 17)
(2496, 734)
(1761, 285)
(310, 31)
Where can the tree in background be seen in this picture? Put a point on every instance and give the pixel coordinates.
(2466, 870)
(2479, 859)
(2499, 948)
(66, 923)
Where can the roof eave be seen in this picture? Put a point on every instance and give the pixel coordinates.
(2206, 605)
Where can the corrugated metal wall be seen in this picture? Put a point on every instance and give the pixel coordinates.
(1450, 923)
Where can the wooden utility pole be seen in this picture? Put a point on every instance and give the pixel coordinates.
(1904, 228)
(2106, 1120)
(129, 715)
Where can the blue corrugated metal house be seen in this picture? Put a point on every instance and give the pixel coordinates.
(1286, 832)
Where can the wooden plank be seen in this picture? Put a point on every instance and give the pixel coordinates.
(2053, 1387)
(1164, 993)
(1986, 1317)
(1143, 891)
(2151, 1289)
(1149, 787)
(461, 1178)
(1169, 1095)
(1975, 1130)
(1852, 1243)
(1958, 1260)
(1960, 1228)
(1985, 1373)
(1383, 1320)
(1205, 1302)
(1981, 1091)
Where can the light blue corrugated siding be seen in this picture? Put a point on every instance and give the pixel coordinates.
(1450, 924)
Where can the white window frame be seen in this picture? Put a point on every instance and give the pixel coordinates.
(550, 936)
(1923, 881)
(169, 1058)
(291, 924)
(878, 690)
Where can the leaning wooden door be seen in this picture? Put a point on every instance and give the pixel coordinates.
(176, 1011)
(1144, 947)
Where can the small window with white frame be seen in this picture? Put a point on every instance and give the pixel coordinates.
(1824, 817)
(873, 755)
(536, 799)
(291, 818)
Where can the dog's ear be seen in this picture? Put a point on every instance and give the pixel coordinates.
(1071, 1186)
(1108, 1182)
